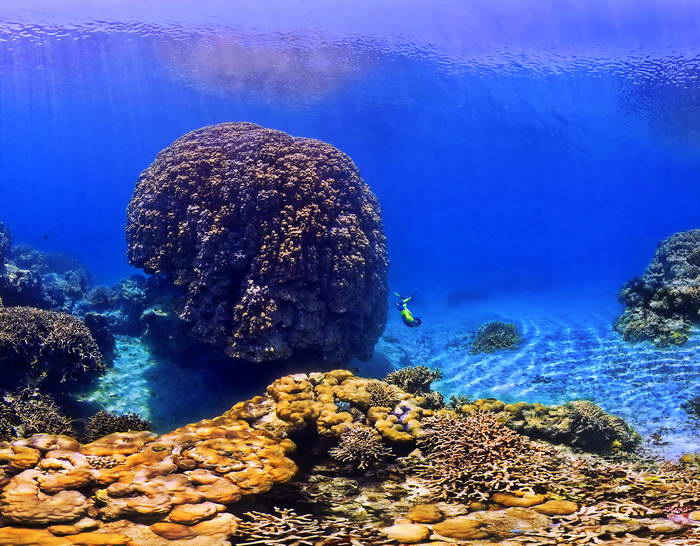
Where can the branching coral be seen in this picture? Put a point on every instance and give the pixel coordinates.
(383, 394)
(27, 411)
(468, 458)
(414, 379)
(275, 240)
(285, 527)
(104, 423)
(664, 303)
(37, 345)
(495, 336)
(361, 447)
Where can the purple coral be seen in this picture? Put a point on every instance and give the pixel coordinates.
(276, 242)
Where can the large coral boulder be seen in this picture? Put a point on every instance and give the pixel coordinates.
(38, 345)
(663, 304)
(276, 242)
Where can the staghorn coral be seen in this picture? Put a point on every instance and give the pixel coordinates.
(361, 447)
(27, 411)
(414, 379)
(468, 458)
(45, 346)
(276, 242)
(664, 303)
(383, 394)
(495, 336)
(104, 423)
(286, 527)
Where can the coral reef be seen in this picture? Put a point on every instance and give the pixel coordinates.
(580, 423)
(662, 305)
(361, 447)
(276, 242)
(495, 336)
(104, 423)
(27, 411)
(468, 458)
(34, 278)
(45, 346)
(5, 244)
(285, 527)
(217, 481)
(414, 379)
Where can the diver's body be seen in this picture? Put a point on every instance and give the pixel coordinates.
(406, 315)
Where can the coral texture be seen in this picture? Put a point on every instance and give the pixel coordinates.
(27, 411)
(276, 242)
(414, 379)
(196, 485)
(361, 447)
(104, 423)
(37, 345)
(580, 423)
(664, 303)
(495, 336)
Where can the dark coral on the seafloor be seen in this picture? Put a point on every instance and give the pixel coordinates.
(276, 242)
(27, 411)
(692, 407)
(104, 423)
(45, 346)
(361, 447)
(414, 379)
(596, 430)
(495, 336)
(99, 327)
(664, 303)
(5, 244)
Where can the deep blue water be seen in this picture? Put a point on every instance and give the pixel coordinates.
(516, 149)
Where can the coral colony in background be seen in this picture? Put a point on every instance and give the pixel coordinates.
(267, 250)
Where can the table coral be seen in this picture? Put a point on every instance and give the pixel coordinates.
(276, 241)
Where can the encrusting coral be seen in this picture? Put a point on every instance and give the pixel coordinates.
(38, 346)
(495, 336)
(214, 482)
(664, 303)
(275, 241)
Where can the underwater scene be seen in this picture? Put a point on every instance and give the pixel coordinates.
(351, 273)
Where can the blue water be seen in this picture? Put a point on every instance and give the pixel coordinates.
(524, 154)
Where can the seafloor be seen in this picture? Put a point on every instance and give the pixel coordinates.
(569, 351)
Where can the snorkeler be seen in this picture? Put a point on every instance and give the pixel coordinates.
(406, 315)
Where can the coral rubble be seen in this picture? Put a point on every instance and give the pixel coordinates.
(664, 303)
(275, 241)
(264, 472)
(495, 336)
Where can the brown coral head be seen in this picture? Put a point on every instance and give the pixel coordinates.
(276, 241)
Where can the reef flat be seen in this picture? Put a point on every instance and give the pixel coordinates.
(315, 460)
